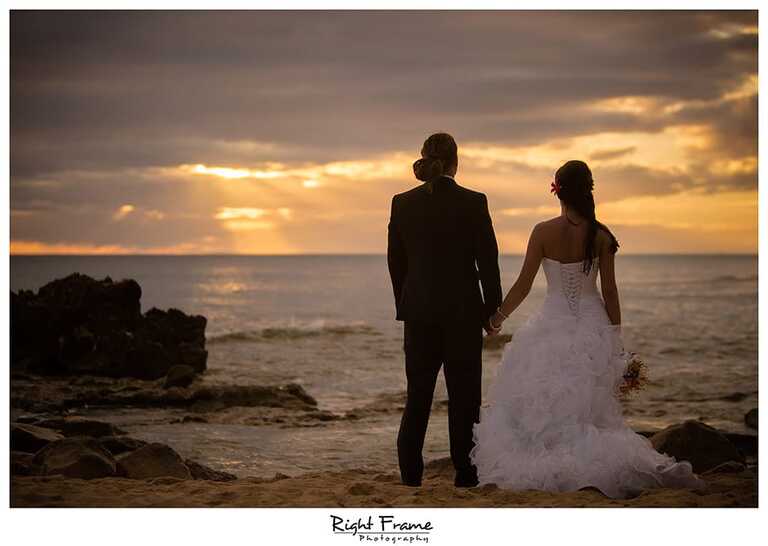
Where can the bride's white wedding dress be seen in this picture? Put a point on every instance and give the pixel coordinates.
(553, 421)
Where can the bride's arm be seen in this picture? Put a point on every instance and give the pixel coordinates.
(608, 285)
(533, 256)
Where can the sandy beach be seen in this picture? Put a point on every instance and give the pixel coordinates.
(362, 488)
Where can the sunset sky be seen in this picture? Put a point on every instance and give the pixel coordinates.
(288, 132)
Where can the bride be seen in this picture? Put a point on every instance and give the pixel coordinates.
(553, 421)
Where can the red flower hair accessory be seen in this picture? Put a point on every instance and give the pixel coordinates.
(555, 187)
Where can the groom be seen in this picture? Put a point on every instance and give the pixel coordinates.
(441, 242)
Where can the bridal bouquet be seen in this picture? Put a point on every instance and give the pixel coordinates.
(635, 375)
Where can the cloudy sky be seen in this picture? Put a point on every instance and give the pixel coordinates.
(288, 132)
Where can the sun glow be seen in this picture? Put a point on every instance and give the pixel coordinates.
(252, 219)
(626, 105)
(314, 175)
(233, 174)
(230, 213)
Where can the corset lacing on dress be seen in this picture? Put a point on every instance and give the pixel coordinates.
(572, 279)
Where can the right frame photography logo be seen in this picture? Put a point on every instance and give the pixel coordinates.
(383, 528)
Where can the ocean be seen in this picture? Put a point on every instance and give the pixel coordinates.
(327, 323)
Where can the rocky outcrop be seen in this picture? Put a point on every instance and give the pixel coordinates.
(78, 325)
(703, 446)
(75, 458)
(291, 396)
(92, 453)
(153, 461)
(55, 395)
(80, 426)
(30, 438)
(158, 460)
(179, 376)
(117, 445)
(202, 472)
(181, 336)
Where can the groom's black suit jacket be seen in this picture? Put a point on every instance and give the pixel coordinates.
(441, 242)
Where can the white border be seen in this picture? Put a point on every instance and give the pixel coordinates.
(312, 526)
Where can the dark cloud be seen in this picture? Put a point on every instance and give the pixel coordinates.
(124, 88)
(99, 97)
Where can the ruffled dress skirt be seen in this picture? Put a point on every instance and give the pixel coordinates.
(553, 421)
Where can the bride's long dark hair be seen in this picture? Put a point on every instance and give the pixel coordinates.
(574, 185)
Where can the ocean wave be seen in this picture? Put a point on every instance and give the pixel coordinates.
(281, 333)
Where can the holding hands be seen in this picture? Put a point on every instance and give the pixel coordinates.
(495, 322)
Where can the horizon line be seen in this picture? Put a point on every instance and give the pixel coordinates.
(335, 254)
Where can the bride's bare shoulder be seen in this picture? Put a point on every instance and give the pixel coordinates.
(552, 222)
(548, 225)
(545, 230)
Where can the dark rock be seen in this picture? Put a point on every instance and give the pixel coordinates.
(110, 356)
(179, 376)
(33, 333)
(193, 355)
(79, 325)
(217, 397)
(745, 443)
(21, 463)
(59, 324)
(202, 472)
(31, 438)
(117, 445)
(62, 394)
(181, 335)
(75, 458)
(105, 304)
(298, 391)
(80, 426)
(703, 446)
(152, 461)
(750, 418)
(149, 359)
(79, 343)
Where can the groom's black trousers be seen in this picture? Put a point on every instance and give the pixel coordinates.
(457, 346)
